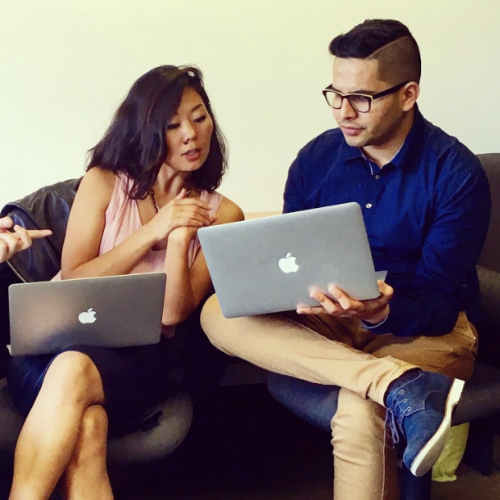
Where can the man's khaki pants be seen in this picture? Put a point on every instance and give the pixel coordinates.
(338, 351)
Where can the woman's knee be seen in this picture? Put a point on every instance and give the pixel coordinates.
(93, 436)
(95, 425)
(74, 375)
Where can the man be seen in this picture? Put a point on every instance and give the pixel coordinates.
(13, 240)
(425, 201)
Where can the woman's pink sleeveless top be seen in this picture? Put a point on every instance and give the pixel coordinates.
(122, 219)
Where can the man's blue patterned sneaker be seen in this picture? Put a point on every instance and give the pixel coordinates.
(419, 409)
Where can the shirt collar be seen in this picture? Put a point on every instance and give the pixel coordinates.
(408, 153)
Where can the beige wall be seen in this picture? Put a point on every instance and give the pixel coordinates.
(66, 64)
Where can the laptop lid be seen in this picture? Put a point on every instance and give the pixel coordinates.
(268, 265)
(114, 311)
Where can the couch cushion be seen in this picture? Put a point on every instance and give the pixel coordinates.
(155, 443)
(480, 398)
(489, 282)
(490, 255)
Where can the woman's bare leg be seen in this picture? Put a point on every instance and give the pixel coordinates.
(52, 429)
(86, 476)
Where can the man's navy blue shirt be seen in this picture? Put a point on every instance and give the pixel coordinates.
(426, 215)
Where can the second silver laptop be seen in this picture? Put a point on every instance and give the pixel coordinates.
(270, 264)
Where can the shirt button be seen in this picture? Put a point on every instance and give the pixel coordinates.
(377, 177)
(368, 205)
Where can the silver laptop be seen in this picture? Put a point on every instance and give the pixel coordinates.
(268, 265)
(114, 311)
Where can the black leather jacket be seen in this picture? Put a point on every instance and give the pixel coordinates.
(46, 208)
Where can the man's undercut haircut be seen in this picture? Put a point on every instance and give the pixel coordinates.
(387, 41)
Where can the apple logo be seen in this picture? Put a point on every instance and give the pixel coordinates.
(288, 264)
(87, 317)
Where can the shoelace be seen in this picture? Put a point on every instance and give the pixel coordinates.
(395, 422)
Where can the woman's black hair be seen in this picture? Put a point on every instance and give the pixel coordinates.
(135, 142)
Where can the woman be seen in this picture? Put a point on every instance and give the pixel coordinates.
(148, 188)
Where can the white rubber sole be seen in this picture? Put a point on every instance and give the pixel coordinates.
(429, 454)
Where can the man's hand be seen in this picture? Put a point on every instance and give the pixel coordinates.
(337, 303)
(19, 239)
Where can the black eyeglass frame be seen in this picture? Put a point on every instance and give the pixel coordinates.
(370, 98)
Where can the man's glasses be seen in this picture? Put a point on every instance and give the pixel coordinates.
(362, 103)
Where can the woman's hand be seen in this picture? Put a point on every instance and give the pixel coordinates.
(181, 212)
(185, 234)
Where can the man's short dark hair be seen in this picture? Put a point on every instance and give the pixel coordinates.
(385, 40)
